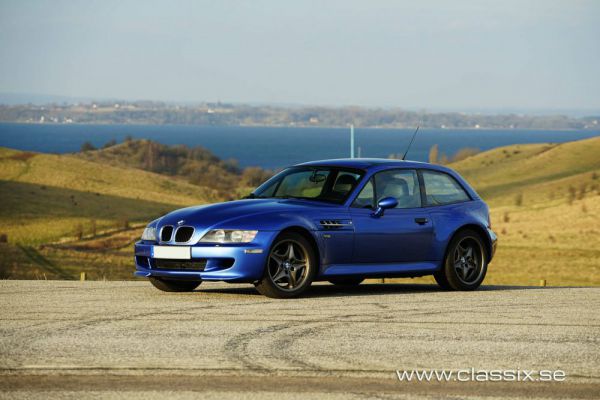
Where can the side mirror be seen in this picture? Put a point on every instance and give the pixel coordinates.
(384, 204)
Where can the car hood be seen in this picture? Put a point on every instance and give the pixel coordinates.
(207, 216)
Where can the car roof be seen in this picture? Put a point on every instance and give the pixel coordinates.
(367, 163)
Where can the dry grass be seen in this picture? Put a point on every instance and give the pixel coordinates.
(551, 233)
(47, 197)
(559, 243)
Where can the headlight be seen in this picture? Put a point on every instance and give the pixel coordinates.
(228, 236)
(149, 233)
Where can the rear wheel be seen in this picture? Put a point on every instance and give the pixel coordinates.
(465, 264)
(290, 267)
(346, 281)
(167, 285)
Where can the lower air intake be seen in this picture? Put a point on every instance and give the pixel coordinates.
(181, 265)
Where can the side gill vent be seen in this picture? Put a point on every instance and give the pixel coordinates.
(334, 223)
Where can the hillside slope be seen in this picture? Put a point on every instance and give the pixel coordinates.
(45, 197)
(545, 207)
(544, 198)
(540, 173)
(196, 165)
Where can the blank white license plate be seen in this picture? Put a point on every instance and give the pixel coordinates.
(172, 252)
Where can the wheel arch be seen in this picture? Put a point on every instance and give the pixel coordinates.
(481, 231)
(307, 235)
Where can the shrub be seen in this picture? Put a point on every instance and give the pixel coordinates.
(87, 146)
(254, 176)
(582, 190)
(110, 143)
(79, 231)
(433, 154)
(572, 194)
(93, 228)
(3, 238)
(519, 200)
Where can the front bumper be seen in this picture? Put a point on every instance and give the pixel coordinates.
(242, 262)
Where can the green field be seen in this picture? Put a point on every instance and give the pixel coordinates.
(66, 214)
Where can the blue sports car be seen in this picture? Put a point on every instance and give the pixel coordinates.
(336, 220)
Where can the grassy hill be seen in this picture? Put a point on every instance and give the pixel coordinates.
(544, 199)
(540, 173)
(52, 199)
(545, 207)
(196, 165)
(45, 196)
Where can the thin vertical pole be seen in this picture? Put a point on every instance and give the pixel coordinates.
(351, 140)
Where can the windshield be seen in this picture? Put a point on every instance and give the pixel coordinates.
(315, 183)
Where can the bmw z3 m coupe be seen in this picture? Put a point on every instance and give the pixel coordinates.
(340, 221)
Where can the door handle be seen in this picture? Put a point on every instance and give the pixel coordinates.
(421, 221)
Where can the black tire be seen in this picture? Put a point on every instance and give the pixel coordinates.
(288, 273)
(167, 285)
(346, 281)
(440, 278)
(465, 263)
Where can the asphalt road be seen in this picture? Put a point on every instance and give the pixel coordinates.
(64, 339)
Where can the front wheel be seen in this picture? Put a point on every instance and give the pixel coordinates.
(465, 264)
(290, 267)
(167, 285)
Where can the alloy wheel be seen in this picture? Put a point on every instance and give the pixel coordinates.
(288, 265)
(468, 260)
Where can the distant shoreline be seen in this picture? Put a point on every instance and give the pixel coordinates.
(232, 115)
(356, 127)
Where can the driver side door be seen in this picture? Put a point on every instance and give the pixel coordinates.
(401, 235)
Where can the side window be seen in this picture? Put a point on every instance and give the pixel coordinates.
(441, 188)
(403, 184)
(365, 198)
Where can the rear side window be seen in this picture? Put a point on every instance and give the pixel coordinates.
(441, 188)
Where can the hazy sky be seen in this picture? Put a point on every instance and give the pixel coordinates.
(430, 54)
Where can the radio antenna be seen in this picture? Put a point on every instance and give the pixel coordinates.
(410, 144)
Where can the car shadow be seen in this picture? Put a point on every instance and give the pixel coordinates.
(369, 289)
